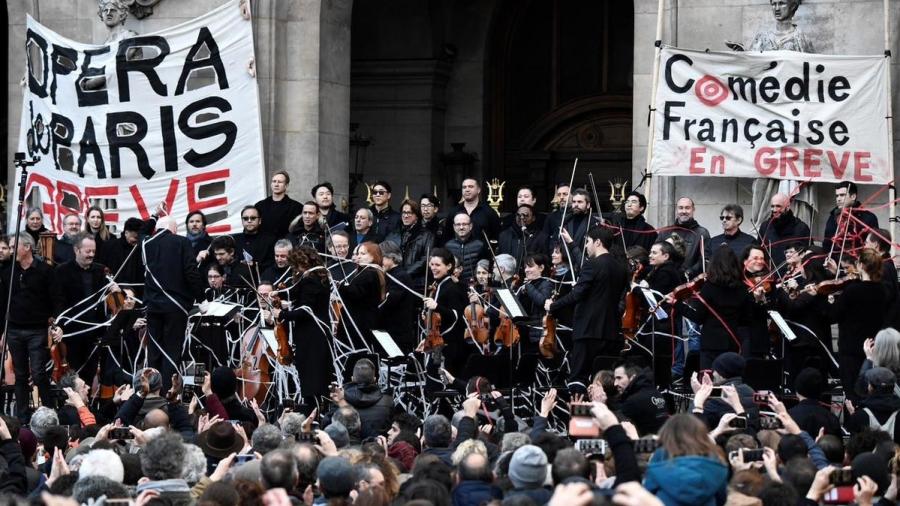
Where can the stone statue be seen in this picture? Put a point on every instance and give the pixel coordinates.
(785, 36)
(113, 14)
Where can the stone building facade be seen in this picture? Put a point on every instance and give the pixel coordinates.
(523, 86)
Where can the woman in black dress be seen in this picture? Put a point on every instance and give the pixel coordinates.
(309, 317)
(448, 298)
(362, 292)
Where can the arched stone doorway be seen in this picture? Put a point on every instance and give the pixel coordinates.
(558, 85)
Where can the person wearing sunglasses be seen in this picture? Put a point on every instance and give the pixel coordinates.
(259, 245)
(387, 219)
(731, 217)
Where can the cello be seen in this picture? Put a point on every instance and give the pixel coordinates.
(254, 372)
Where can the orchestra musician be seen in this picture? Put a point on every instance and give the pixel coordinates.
(363, 291)
(532, 295)
(396, 314)
(596, 298)
(448, 299)
(30, 310)
(878, 240)
(858, 312)
(722, 307)
(310, 320)
(759, 280)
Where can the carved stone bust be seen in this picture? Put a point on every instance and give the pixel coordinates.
(113, 14)
(785, 35)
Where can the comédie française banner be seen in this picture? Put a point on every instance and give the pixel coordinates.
(171, 116)
(779, 114)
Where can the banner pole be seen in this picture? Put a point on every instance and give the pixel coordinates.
(892, 192)
(654, 82)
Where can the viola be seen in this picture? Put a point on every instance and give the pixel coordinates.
(434, 341)
(507, 333)
(479, 324)
(832, 286)
(57, 354)
(631, 320)
(547, 345)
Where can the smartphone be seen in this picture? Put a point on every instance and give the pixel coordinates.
(841, 478)
(244, 458)
(581, 422)
(738, 423)
(592, 448)
(646, 445)
(120, 433)
(761, 397)
(770, 423)
(199, 374)
(753, 455)
(716, 392)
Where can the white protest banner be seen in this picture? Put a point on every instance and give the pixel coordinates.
(779, 114)
(169, 117)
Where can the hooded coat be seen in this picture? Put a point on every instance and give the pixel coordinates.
(374, 408)
(687, 481)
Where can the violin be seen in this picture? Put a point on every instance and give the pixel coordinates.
(631, 320)
(547, 345)
(507, 333)
(432, 326)
(57, 353)
(115, 301)
(686, 290)
(832, 286)
(479, 325)
(282, 334)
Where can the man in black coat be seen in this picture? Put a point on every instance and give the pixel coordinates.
(782, 226)
(880, 407)
(695, 237)
(387, 220)
(635, 229)
(466, 246)
(415, 242)
(396, 315)
(260, 245)
(78, 288)
(577, 223)
(731, 216)
(126, 264)
(306, 231)
(596, 298)
(639, 400)
(524, 237)
(809, 413)
(852, 233)
(279, 210)
(172, 284)
(554, 219)
(323, 194)
(374, 407)
(484, 219)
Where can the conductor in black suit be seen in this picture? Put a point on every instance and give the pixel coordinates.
(596, 297)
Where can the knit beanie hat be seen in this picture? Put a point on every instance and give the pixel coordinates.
(223, 382)
(528, 467)
(809, 383)
(729, 365)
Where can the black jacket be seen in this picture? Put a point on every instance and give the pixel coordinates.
(859, 312)
(484, 219)
(314, 238)
(337, 220)
(33, 301)
(261, 246)
(396, 315)
(692, 233)
(70, 290)
(812, 416)
(374, 408)
(635, 231)
(361, 297)
(173, 281)
(437, 227)
(63, 251)
(276, 217)
(856, 232)
(469, 252)
(596, 297)
(14, 481)
(532, 296)
(733, 305)
(415, 242)
(642, 403)
(127, 267)
(577, 226)
(371, 236)
(882, 406)
(520, 242)
(776, 234)
(387, 221)
(737, 242)
(199, 243)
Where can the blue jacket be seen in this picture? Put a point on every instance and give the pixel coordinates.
(474, 493)
(687, 481)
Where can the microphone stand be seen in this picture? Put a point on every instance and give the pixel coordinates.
(20, 162)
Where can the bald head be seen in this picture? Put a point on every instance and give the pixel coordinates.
(684, 210)
(779, 204)
(156, 418)
(169, 223)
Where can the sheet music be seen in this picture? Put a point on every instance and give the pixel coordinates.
(221, 309)
(270, 339)
(660, 313)
(782, 325)
(510, 303)
(387, 343)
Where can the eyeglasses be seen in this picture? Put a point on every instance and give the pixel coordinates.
(379, 192)
(725, 218)
(249, 218)
(423, 206)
